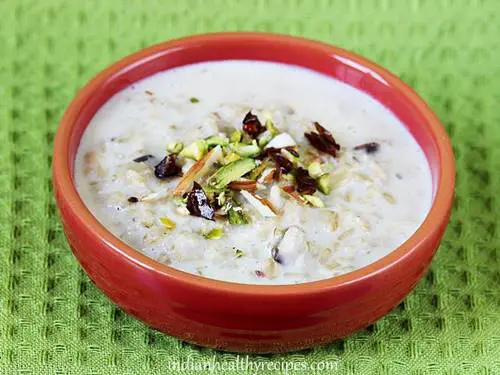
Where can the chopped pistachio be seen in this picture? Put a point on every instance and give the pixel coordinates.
(315, 169)
(214, 234)
(195, 150)
(236, 216)
(265, 138)
(248, 151)
(232, 156)
(324, 184)
(236, 136)
(314, 201)
(270, 126)
(238, 253)
(215, 140)
(230, 172)
(167, 223)
(175, 147)
(289, 177)
(389, 197)
(257, 171)
(194, 100)
(333, 219)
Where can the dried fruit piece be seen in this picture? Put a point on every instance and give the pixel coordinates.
(252, 125)
(133, 199)
(305, 183)
(198, 204)
(168, 167)
(370, 147)
(323, 140)
(285, 165)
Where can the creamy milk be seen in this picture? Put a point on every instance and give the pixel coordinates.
(378, 199)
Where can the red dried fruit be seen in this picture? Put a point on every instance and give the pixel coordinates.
(323, 140)
(285, 165)
(167, 167)
(198, 203)
(259, 273)
(252, 125)
(305, 183)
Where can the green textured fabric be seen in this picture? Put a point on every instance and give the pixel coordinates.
(54, 321)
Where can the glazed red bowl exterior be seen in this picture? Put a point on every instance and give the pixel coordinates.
(237, 317)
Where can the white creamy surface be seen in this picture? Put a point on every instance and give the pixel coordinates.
(156, 111)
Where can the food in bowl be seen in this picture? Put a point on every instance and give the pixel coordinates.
(253, 172)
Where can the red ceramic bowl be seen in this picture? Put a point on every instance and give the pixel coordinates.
(237, 317)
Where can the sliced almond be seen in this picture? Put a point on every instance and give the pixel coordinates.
(199, 169)
(267, 176)
(243, 184)
(290, 191)
(262, 205)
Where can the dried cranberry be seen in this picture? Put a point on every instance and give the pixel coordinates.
(252, 125)
(167, 167)
(305, 183)
(285, 165)
(370, 147)
(198, 204)
(323, 140)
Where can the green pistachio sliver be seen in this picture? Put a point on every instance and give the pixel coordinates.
(217, 140)
(314, 201)
(289, 177)
(257, 171)
(236, 136)
(214, 234)
(324, 184)
(315, 169)
(194, 100)
(230, 172)
(238, 253)
(248, 151)
(167, 223)
(265, 138)
(269, 124)
(195, 150)
(175, 147)
(232, 156)
(236, 216)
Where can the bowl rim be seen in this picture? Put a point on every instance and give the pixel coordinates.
(435, 219)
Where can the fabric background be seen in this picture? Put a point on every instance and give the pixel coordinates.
(54, 321)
